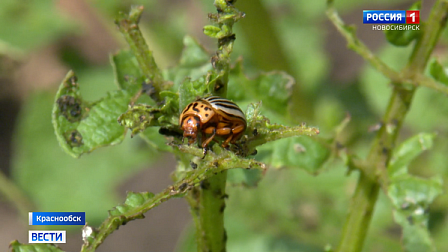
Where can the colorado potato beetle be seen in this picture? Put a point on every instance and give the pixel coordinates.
(212, 116)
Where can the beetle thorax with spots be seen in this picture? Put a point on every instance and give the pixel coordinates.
(194, 116)
(212, 116)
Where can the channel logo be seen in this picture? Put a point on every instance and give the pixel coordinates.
(391, 17)
(57, 218)
(46, 236)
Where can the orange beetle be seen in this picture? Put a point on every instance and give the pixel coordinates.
(212, 116)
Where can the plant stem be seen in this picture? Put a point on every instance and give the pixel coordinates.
(128, 25)
(207, 203)
(213, 236)
(366, 193)
(16, 196)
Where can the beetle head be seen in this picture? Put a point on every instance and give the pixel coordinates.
(190, 125)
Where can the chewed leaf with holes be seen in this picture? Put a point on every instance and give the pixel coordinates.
(80, 126)
(272, 88)
(16, 246)
(411, 197)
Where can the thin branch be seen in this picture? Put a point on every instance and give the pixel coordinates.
(214, 164)
(128, 26)
(358, 46)
(428, 82)
(366, 193)
(15, 195)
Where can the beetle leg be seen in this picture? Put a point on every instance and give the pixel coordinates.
(226, 142)
(210, 130)
(224, 132)
(204, 151)
(237, 132)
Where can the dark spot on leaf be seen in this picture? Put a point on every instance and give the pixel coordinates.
(70, 108)
(193, 165)
(148, 88)
(254, 152)
(74, 138)
(385, 151)
(255, 132)
(410, 220)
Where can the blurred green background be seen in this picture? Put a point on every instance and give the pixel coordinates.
(289, 210)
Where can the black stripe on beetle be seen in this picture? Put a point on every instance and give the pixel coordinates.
(194, 107)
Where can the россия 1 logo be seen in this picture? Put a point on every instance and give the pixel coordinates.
(396, 19)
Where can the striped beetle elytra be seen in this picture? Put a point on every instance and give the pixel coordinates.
(212, 116)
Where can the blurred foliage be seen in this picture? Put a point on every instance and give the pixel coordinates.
(289, 210)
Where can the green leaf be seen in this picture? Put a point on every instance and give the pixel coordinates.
(155, 140)
(404, 37)
(16, 246)
(212, 31)
(411, 197)
(32, 24)
(170, 109)
(190, 90)
(407, 151)
(57, 182)
(139, 117)
(194, 63)
(438, 72)
(194, 54)
(272, 88)
(296, 152)
(128, 75)
(416, 237)
(133, 200)
(244, 177)
(409, 192)
(82, 127)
